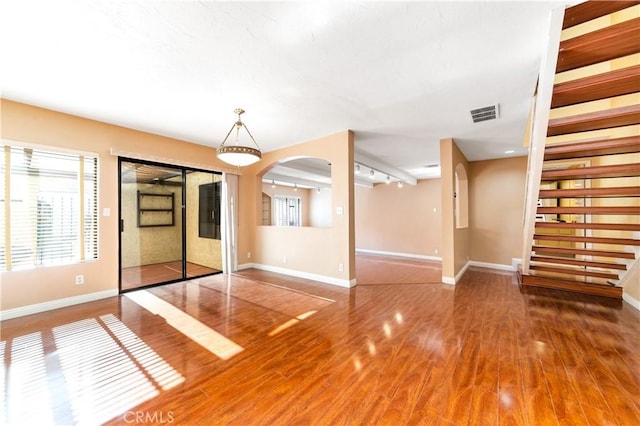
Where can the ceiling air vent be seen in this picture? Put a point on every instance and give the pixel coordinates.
(485, 113)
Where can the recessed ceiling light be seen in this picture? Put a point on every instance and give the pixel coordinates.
(511, 151)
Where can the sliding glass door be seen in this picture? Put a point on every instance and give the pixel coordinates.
(204, 237)
(169, 224)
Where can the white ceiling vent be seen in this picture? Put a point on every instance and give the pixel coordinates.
(485, 113)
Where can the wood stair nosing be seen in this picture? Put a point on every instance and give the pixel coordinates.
(602, 192)
(615, 210)
(625, 145)
(601, 45)
(538, 249)
(601, 86)
(572, 285)
(595, 240)
(589, 10)
(603, 226)
(572, 271)
(604, 119)
(577, 262)
(614, 170)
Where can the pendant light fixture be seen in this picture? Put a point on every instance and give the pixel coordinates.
(239, 155)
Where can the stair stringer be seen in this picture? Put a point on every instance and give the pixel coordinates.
(540, 123)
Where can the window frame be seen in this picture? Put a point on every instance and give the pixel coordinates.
(277, 200)
(84, 198)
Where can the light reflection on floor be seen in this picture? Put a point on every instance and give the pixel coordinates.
(200, 333)
(104, 369)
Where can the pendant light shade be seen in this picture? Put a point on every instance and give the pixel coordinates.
(235, 154)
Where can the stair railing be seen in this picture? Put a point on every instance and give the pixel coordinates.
(540, 122)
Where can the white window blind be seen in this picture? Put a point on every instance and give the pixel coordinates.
(287, 210)
(50, 208)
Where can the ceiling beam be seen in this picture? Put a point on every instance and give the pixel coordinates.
(379, 166)
(269, 177)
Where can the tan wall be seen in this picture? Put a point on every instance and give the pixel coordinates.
(399, 220)
(202, 251)
(317, 251)
(48, 128)
(320, 208)
(455, 241)
(496, 209)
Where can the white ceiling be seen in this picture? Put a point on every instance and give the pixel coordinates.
(401, 75)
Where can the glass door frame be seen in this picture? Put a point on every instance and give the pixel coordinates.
(183, 221)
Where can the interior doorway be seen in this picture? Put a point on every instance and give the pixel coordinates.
(170, 223)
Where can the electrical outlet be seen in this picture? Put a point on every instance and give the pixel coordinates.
(436, 251)
(284, 259)
(248, 255)
(79, 279)
(341, 267)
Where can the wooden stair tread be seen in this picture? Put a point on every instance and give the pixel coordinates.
(574, 271)
(583, 252)
(615, 210)
(613, 83)
(598, 46)
(577, 262)
(615, 170)
(589, 10)
(614, 117)
(624, 145)
(617, 191)
(603, 226)
(535, 280)
(579, 239)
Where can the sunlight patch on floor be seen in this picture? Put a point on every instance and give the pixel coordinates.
(290, 323)
(200, 333)
(27, 382)
(92, 371)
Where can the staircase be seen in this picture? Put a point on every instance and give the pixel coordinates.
(587, 223)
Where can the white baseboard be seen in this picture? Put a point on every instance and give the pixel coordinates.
(245, 266)
(391, 253)
(300, 274)
(55, 304)
(454, 280)
(498, 266)
(630, 300)
(515, 262)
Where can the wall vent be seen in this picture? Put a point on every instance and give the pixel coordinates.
(485, 113)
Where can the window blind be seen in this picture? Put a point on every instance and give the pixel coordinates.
(287, 210)
(51, 209)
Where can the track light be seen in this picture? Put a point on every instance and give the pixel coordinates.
(357, 168)
(273, 183)
(388, 179)
(399, 184)
(372, 174)
(295, 186)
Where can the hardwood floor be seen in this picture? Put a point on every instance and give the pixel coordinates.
(140, 276)
(400, 348)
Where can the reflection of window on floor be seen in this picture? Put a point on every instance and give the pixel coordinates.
(53, 209)
(114, 373)
(287, 210)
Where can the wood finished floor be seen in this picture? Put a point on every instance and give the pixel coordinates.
(412, 351)
(140, 276)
